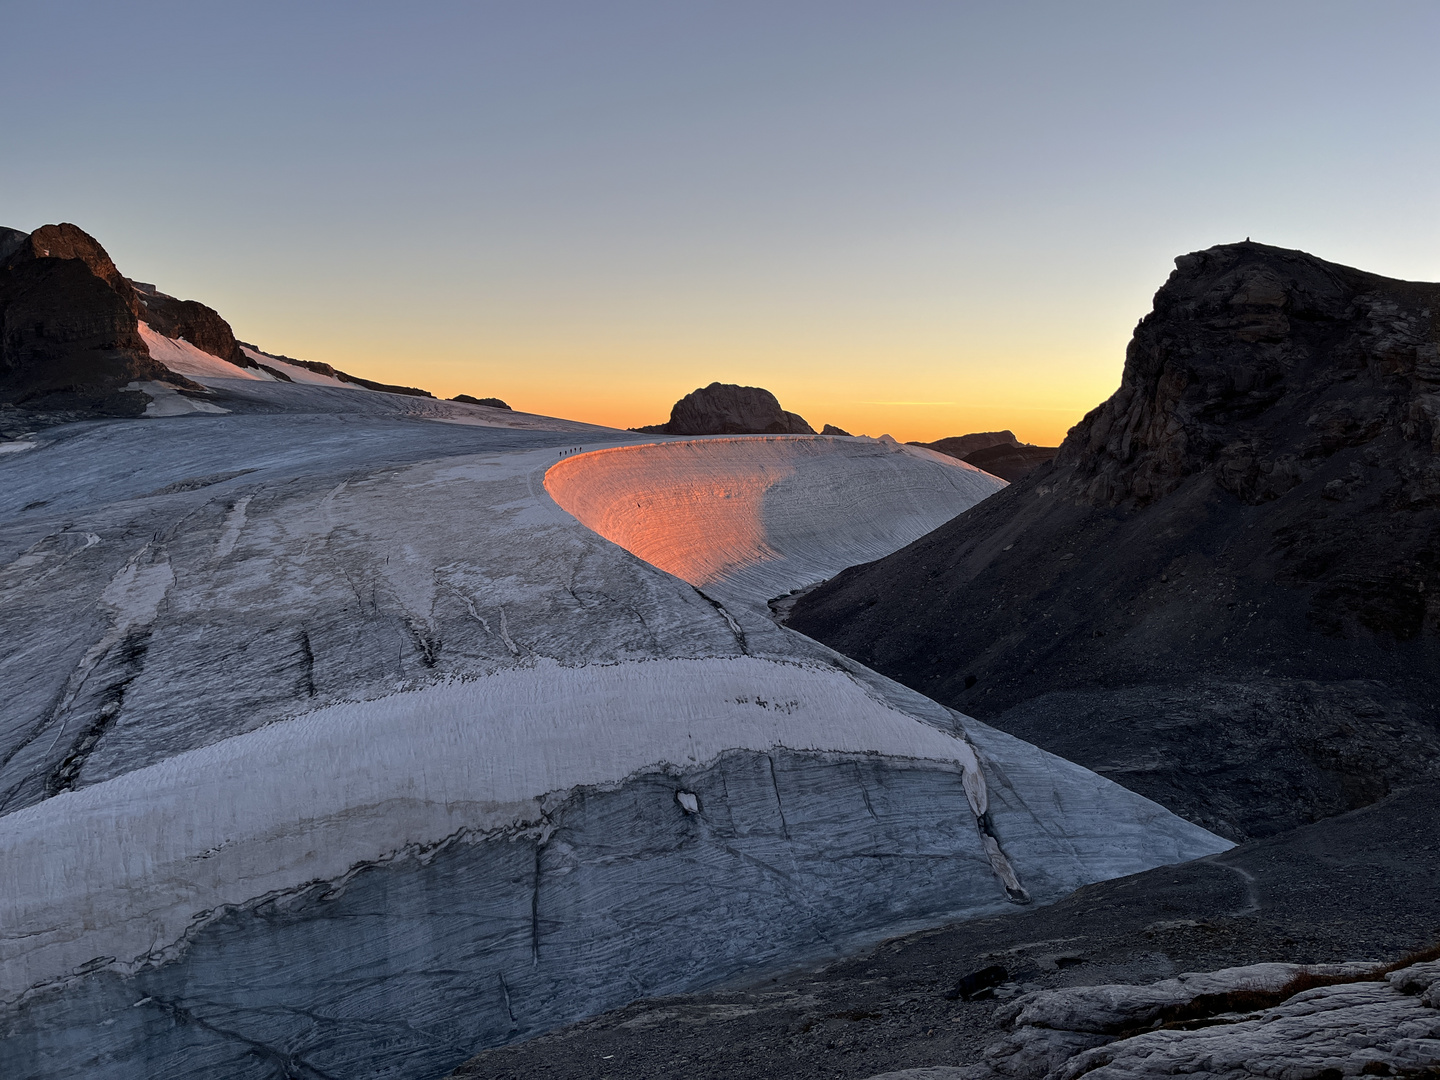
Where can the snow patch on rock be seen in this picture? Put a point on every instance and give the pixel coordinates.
(185, 359)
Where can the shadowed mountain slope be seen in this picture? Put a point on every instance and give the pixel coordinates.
(997, 452)
(1225, 590)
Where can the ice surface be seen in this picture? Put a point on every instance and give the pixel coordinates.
(326, 728)
(765, 514)
(251, 816)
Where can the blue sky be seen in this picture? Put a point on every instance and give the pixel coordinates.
(592, 208)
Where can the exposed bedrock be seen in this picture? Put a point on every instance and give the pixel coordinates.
(493, 402)
(69, 337)
(198, 324)
(727, 409)
(1225, 590)
(1325, 1020)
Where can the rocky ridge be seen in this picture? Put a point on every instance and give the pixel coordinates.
(70, 341)
(958, 446)
(492, 402)
(1224, 592)
(999, 453)
(727, 409)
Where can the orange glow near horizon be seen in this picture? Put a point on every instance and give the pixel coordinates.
(922, 400)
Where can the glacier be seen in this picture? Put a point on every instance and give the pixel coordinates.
(347, 733)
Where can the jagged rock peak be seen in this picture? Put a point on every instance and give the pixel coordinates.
(1256, 360)
(727, 409)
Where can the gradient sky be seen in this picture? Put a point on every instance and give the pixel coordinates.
(920, 218)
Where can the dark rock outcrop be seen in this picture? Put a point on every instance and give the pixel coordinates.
(727, 409)
(321, 368)
(191, 320)
(492, 402)
(383, 388)
(831, 429)
(1224, 592)
(69, 336)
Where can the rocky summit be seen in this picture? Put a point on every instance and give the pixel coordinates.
(69, 333)
(727, 409)
(1224, 592)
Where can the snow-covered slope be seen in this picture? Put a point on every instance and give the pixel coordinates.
(331, 745)
(296, 372)
(765, 514)
(185, 359)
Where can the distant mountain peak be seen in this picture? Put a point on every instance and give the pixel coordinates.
(728, 409)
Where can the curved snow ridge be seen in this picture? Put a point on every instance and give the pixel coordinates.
(764, 514)
(120, 870)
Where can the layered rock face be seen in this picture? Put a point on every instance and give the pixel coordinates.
(69, 335)
(727, 409)
(1225, 590)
